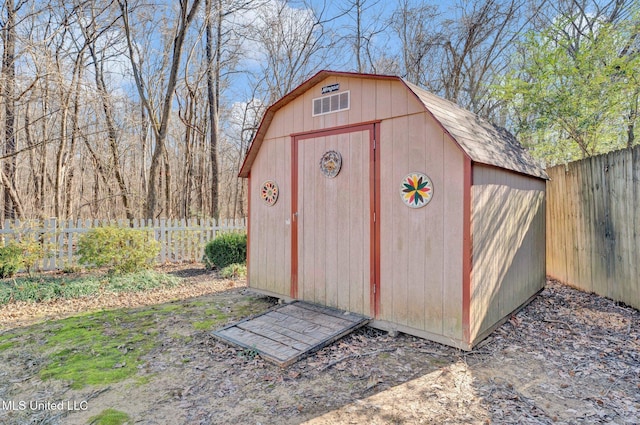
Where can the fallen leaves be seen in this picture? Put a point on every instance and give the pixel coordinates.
(23, 313)
(568, 357)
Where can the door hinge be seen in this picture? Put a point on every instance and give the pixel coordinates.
(374, 216)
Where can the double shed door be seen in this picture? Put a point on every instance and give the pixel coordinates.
(333, 236)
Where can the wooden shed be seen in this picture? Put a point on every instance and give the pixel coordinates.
(374, 196)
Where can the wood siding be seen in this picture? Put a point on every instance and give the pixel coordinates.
(270, 230)
(421, 249)
(371, 100)
(593, 225)
(270, 226)
(508, 228)
(333, 223)
(423, 253)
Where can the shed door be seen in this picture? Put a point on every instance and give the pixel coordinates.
(333, 220)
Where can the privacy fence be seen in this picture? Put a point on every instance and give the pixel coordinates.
(180, 240)
(593, 225)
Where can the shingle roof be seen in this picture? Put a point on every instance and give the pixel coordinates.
(482, 141)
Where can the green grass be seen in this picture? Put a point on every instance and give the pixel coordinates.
(204, 325)
(110, 417)
(6, 345)
(43, 288)
(211, 318)
(105, 347)
(8, 340)
(101, 348)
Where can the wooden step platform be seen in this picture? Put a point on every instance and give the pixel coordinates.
(289, 332)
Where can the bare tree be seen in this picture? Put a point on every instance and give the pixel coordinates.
(459, 53)
(159, 116)
(213, 92)
(8, 88)
(294, 43)
(365, 25)
(99, 54)
(420, 38)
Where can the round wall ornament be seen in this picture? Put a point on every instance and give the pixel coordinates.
(416, 190)
(330, 164)
(269, 192)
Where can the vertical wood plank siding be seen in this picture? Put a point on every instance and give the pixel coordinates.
(270, 245)
(333, 222)
(420, 250)
(425, 287)
(593, 232)
(508, 227)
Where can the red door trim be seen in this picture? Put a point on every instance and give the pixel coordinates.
(294, 218)
(374, 171)
(374, 199)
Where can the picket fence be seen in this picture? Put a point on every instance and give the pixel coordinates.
(180, 240)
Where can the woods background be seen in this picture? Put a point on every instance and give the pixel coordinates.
(131, 109)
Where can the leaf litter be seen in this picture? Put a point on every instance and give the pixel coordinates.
(568, 357)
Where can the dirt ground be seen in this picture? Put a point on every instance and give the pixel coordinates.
(567, 358)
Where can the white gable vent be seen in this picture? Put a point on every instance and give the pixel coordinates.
(333, 103)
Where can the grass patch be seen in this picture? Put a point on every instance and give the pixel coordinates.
(44, 288)
(6, 345)
(144, 280)
(212, 317)
(101, 348)
(8, 340)
(110, 417)
(204, 325)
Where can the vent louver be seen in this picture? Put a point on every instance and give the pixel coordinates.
(333, 103)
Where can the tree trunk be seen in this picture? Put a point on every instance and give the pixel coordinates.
(112, 132)
(167, 186)
(8, 95)
(160, 123)
(633, 115)
(37, 200)
(143, 149)
(213, 91)
(43, 150)
(60, 161)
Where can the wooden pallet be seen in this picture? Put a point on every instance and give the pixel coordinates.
(290, 332)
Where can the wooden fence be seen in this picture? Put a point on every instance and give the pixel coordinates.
(180, 240)
(593, 225)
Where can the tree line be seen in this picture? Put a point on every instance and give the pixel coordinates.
(126, 108)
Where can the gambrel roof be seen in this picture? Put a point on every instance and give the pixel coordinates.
(481, 141)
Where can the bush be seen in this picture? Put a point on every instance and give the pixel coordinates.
(10, 259)
(17, 255)
(122, 249)
(226, 249)
(233, 271)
